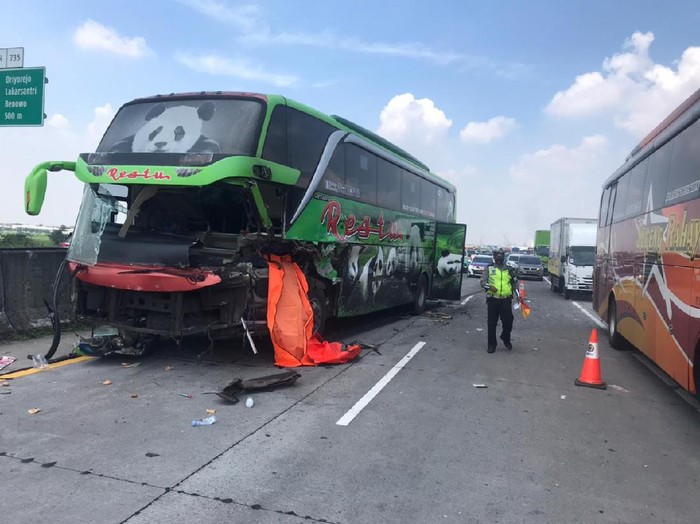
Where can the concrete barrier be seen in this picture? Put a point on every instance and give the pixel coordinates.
(26, 280)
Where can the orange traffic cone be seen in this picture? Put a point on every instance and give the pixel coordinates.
(590, 373)
(522, 290)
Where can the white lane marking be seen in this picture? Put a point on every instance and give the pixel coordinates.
(590, 315)
(547, 280)
(466, 300)
(367, 398)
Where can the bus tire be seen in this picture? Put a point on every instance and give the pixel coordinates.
(319, 305)
(421, 295)
(616, 340)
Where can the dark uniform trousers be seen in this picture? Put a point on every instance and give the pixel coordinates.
(499, 308)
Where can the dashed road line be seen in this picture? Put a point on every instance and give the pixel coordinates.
(466, 300)
(590, 315)
(367, 398)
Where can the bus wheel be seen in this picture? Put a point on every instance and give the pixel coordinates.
(613, 334)
(421, 295)
(317, 299)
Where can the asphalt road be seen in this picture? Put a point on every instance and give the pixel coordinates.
(427, 447)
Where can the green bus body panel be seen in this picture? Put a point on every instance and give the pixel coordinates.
(448, 261)
(226, 168)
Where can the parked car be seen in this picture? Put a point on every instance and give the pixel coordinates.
(512, 260)
(477, 266)
(529, 266)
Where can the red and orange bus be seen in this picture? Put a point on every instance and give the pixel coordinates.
(647, 272)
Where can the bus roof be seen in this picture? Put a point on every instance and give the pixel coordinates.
(680, 118)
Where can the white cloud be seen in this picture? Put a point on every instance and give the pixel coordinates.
(485, 132)
(92, 35)
(406, 119)
(249, 20)
(636, 92)
(23, 148)
(217, 65)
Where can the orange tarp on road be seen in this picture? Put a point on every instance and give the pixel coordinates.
(290, 320)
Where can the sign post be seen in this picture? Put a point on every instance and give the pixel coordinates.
(22, 96)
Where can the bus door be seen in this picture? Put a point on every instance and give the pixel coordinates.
(448, 261)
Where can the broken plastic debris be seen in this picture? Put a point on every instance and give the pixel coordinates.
(130, 365)
(6, 361)
(249, 402)
(204, 421)
(535, 349)
(169, 368)
(4, 383)
(563, 397)
(619, 388)
(34, 411)
(186, 395)
(480, 385)
(479, 329)
(107, 383)
(134, 395)
(211, 411)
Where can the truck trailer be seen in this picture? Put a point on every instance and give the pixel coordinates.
(572, 255)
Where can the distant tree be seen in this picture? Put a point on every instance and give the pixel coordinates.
(59, 235)
(16, 240)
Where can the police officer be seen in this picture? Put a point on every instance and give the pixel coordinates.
(499, 281)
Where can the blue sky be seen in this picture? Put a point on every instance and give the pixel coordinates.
(526, 106)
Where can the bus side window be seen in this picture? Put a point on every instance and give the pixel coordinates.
(388, 184)
(297, 140)
(275, 148)
(684, 179)
(621, 200)
(611, 203)
(427, 198)
(604, 201)
(445, 205)
(635, 190)
(334, 177)
(361, 172)
(410, 191)
(659, 167)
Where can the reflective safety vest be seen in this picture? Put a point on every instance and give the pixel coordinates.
(501, 279)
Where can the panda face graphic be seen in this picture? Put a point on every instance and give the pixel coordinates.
(449, 264)
(391, 262)
(172, 130)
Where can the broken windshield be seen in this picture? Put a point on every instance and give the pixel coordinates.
(101, 205)
(215, 126)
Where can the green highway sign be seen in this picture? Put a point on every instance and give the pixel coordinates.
(22, 96)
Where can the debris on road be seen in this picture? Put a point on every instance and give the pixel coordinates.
(169, 368)
(5, 392)
(479, 329)
(130, 365)
(107, 382)
(186, 395)
(204, 421)
(249, 402)
(264, 383)
(619, 388)
(563, 397)
(6, 361)
(33, 411)
(4, 383)
(211, 411)
(134, 395)
(480, 385)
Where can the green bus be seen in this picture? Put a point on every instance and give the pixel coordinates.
(187, 194)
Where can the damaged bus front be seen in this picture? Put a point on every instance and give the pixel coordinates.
(169, 233)
(188, 198)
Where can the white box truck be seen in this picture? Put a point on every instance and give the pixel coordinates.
(572, 255)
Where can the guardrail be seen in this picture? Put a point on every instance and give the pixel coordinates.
(26, 281)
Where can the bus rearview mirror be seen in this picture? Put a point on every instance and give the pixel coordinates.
(35, 190)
